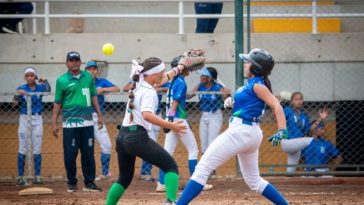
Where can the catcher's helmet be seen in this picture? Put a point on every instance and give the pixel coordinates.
(262, 62)
(174, 61)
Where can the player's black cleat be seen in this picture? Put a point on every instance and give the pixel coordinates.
(91, 187)
(72, 188)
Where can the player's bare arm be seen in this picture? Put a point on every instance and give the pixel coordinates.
(264, 94)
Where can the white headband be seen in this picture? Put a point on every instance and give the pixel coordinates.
(30, 70)
(137, 70)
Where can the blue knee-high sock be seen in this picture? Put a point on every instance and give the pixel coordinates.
(191, 190)
(161, 176)
(37, 164)
(105, 160)
(192, 165)
(21, 164)
(146, 168)
(271, 193)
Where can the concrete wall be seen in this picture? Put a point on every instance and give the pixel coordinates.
(324, 67)
(112, 25)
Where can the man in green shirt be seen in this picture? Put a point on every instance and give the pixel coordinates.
(76, 96)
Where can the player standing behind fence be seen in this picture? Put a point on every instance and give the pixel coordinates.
(210, 105)
(102, 136)
(177, 98)
(76, 95)
(30, 76)
(243, 137)
(133, 139)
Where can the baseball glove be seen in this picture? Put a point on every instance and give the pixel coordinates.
(193, 59)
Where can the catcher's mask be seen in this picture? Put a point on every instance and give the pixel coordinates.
(262, 62)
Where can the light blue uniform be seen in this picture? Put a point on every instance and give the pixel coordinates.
(318, 152)
(36, 126)
(211, 118)
(242, 138)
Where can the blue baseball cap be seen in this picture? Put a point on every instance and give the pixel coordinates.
(73, 55)
(91, 64)
(205, 72)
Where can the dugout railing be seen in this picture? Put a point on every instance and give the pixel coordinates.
(47, 14)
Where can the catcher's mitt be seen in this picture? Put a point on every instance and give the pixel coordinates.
(193, 59)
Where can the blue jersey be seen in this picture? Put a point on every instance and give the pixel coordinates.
(102, 83)
(247, 105)
(210, 102)
(319, 151)
(298, 125)
(160, 96)
(179, 94)
(37, 106)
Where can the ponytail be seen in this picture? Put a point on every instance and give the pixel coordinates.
(268, 83)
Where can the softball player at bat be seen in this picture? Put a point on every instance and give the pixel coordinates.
(243, 137)
(102, 136)
(30, 75)
(298, 125)
(176, 112)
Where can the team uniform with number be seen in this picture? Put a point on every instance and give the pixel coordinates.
(74, 93)
(36, 124)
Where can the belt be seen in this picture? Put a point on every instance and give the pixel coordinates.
(233, 119)
(132, 128)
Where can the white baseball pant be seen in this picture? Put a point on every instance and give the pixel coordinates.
(241, 140)
(37, 133)
(102, 136)
(293, 149)
(210, 127)
(187, 138)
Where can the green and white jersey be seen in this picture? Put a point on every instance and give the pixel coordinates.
(75, 93)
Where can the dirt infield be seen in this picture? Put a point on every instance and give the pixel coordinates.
(329, 191)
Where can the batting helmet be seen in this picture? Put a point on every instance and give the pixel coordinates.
(174, 61)
(262, 62)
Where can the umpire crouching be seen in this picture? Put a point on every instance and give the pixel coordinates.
(76, 96)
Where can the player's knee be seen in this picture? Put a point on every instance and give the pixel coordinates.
(257, 185)
(124, 181)
(171, 167)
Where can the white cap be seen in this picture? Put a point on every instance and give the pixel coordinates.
(30, 70)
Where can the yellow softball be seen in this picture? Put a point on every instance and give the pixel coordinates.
(108, 49)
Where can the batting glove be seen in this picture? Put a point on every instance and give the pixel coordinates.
(229, 102)
(277, 137)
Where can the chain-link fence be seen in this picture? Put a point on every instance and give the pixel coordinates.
(343, 132)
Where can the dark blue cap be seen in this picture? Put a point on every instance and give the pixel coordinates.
(73, 55)
(91, 64)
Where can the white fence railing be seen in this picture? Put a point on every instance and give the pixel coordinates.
(47, 15)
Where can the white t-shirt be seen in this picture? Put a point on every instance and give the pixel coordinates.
(145, 100)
